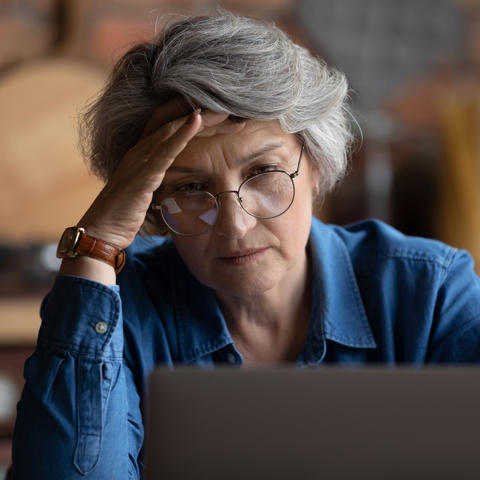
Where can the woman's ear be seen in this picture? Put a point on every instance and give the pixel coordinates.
(315, 178)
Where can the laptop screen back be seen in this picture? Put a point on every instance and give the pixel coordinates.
(290, 423)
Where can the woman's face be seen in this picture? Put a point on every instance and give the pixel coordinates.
(243, 255)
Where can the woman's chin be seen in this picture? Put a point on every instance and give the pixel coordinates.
(244, 285)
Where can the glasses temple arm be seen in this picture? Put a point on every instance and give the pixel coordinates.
(295, 173)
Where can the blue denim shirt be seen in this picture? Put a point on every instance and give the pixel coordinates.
(378, 297)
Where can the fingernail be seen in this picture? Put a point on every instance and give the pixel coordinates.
(192, 116)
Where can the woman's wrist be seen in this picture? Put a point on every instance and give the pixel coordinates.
(90, 268)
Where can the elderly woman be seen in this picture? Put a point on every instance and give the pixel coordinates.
(221, 132)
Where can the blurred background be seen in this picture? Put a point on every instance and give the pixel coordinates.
(413, 68)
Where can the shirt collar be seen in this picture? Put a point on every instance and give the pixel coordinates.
(337, 304)
(337, 312)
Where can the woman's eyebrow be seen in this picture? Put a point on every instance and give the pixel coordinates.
(267, 148)
(180, 169)
(251, 156)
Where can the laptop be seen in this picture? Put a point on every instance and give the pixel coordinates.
(319, 423)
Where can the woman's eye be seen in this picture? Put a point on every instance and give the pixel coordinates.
(262, 169)
(192, 187)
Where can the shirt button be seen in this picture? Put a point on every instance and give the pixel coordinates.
(231, 358)
(101, 327)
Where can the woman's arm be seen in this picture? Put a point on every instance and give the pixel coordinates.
(79, 415)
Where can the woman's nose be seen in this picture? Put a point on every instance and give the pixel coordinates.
(232, 220)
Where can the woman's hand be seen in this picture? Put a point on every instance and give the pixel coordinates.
(119, 211)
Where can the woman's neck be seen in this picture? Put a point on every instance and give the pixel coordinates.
(271, 327)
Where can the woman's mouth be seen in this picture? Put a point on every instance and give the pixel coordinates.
(244, 257)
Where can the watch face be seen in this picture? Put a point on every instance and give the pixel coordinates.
(68, 242)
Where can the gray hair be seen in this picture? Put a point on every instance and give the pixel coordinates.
(226, 63)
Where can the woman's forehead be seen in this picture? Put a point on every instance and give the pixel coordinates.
(256, 138)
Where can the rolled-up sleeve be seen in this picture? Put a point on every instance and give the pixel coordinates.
(79, 415)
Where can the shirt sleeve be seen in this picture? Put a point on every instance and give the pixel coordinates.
(456, 333)
(79, 414)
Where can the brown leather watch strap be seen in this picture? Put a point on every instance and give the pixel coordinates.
(106, 252)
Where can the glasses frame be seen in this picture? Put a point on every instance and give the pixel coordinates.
(216, 197)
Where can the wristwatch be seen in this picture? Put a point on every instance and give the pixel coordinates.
(76, 242)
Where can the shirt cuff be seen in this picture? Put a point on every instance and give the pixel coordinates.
(82, 316)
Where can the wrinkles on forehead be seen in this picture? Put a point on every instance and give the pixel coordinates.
(256, 135)
(241, 161)
(258, 139)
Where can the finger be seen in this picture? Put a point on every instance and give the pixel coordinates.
(209, 118)
(175, 108)
(162, 123)
(166, 131)
(165, 151)
(217, 122)
(151, 146)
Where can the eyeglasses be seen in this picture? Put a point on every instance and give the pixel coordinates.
(193, 211)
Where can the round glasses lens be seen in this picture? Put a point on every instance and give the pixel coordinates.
(268, 194)
(189, 213)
